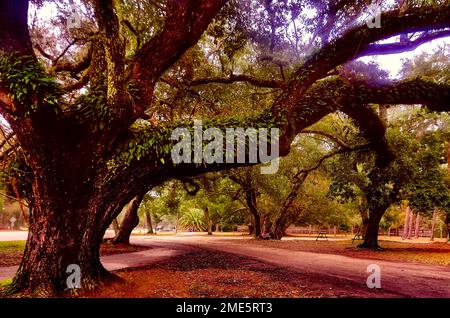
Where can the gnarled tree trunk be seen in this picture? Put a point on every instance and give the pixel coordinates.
(130, 221)
(63, 231)
(371, 234)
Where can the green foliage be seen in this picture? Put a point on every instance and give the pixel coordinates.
(193, 220)
(27, 83)
(155, 144)
(317, 208)
(415, 174)
(93, 108)
(12, 246)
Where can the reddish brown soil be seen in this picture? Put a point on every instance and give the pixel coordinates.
(206, 274)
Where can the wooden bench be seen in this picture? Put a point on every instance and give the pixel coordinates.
(322, 234)
(358, 236)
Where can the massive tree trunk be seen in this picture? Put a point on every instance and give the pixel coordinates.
(62, 232)
(130, 221)
(371, 234)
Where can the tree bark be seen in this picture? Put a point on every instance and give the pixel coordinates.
(406, 226)
(286, 214)
(410, 226)
(433, 225)
(61, 234)
(417, 227)
(14, 34)
(371, 234)
(148, 219)
(116, 227)
(250, 198)
(280, 225)
(208, 221)
(447, 221)
(130, 221)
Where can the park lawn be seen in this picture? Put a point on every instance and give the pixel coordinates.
(11, 252)
(204, 275)
(436, 253)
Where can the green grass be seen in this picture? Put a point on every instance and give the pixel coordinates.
(12, 246)
(6, 282)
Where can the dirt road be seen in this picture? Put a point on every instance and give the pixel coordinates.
(402, 279)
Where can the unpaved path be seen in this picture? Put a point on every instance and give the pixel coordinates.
(399, 278)
(403, 279)
(125, 260)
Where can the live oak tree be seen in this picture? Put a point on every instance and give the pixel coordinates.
(414, 175)
(91, 151)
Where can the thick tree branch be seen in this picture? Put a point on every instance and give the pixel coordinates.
(45, 54)
(114, 49)
(185, 22)
(357, 40)
(14, 34)
(331, 154)
(82, 82)
(83, 63)
(333, 138)
(436, 96)
(238, 78)
(400, 47)
(324, 97)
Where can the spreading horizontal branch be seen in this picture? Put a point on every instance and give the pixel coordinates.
(238, 78)
(332, 137)
(357, 40)
(400, 47)
(185, 22)
(324, 97)
(436, 96)
(74, 67)
(339, 151)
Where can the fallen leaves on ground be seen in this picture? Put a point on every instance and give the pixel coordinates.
(206, 274)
